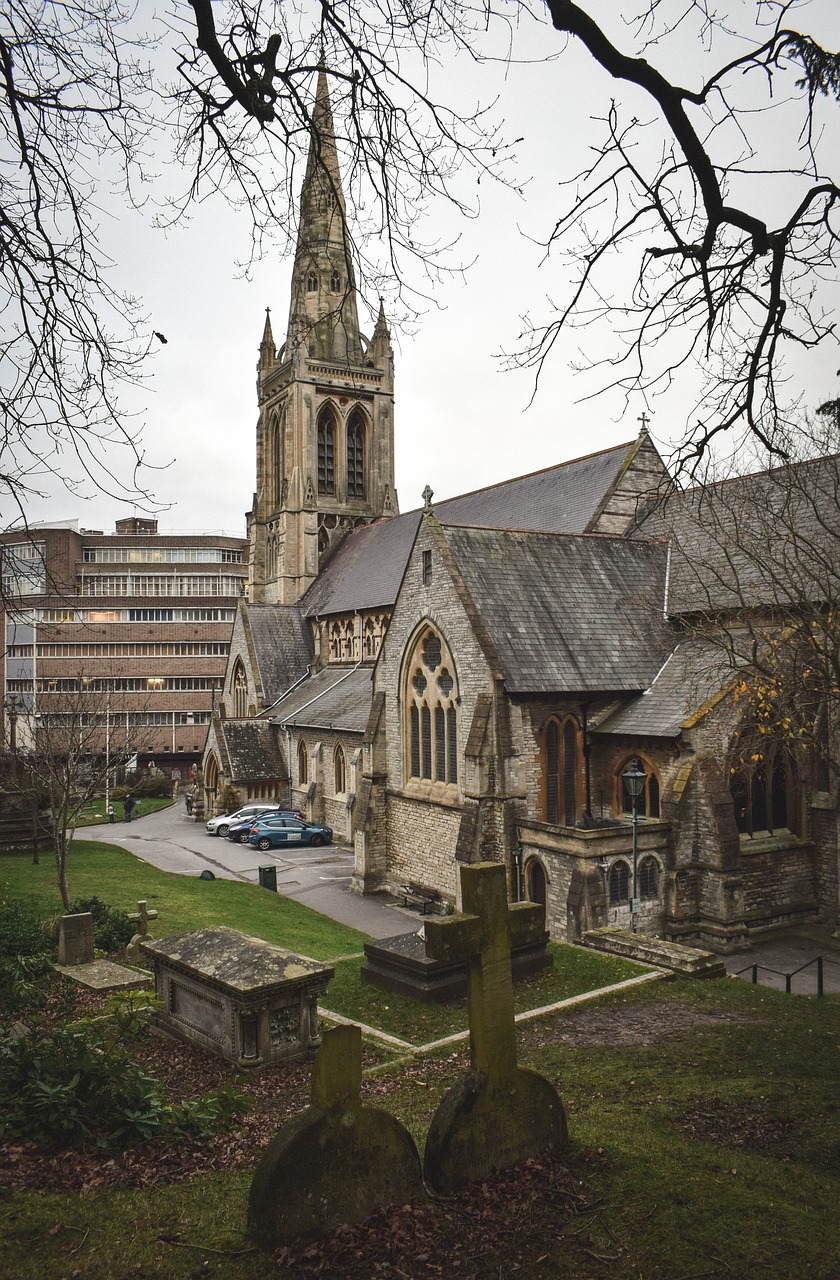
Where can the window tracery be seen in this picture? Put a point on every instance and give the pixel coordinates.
(619, 883)
(431, 716)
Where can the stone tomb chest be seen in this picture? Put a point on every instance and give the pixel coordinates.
(237, 996)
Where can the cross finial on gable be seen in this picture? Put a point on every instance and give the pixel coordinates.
(644, 419)
(427, 495)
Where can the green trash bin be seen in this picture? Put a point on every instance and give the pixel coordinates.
(268, 878)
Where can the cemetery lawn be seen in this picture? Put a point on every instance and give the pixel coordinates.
(703, 1120)
(183, 902)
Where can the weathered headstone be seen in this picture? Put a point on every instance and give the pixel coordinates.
(75, 939)
(500, 1112)
(141, 918)
(338, 1160)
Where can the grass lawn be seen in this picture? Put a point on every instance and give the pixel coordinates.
(95, 814)
(183, 902)
(703, 1120)
(709, 1152)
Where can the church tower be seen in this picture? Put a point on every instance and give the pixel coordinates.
(325, 435)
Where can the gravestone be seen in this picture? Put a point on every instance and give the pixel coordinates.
(500, 1112)
(141, 918)
(75, 939)
(337, 1161)
(240, 997)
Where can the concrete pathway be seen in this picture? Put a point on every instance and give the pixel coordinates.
(784, 953)
(320, 878)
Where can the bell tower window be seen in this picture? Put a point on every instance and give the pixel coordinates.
(335, 283)
(312, 282)
(356, 455)
(326, 452)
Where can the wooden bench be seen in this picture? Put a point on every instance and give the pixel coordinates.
(417, 895)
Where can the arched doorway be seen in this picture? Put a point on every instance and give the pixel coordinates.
(535, 882)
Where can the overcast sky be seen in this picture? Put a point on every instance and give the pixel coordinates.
(461, 422)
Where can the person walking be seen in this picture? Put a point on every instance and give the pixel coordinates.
(128, 805)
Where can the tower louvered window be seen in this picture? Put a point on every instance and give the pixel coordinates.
(326, 453)
(355, 456)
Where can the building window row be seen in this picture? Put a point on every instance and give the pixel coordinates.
(764, 785)
(59, 719)
(161, 555)
(139, 649)
(117, 684)
(162, 585)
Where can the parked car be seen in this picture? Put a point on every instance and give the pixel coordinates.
(220, 825)
(272, 833)
(239, 831)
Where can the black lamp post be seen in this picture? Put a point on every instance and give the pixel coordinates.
(634, 780)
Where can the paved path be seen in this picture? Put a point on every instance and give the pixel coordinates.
(782, 953)
(320, 878)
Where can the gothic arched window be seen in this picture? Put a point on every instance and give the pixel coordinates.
(619, 883)
(335, 283)
(764, 785)
(302, 764)
(648, 878)
(239, 688)
(647, 804)
(312, 282)
(431, 717)
(561, 768)
(356, 455)
(340, 768)
(326, 451)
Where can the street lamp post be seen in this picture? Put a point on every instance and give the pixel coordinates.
(634, 780)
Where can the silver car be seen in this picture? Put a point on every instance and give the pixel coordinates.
(219, 826)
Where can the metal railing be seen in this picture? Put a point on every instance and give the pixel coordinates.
(819, 961)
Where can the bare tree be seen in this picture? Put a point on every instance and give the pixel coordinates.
(71, 746)
(755, 579)
(727, 260)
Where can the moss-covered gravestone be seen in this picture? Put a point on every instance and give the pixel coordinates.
(337, 1161)
(500, 1112)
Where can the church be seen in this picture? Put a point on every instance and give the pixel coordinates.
(529, 674)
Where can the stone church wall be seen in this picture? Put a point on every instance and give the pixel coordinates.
(421, 841)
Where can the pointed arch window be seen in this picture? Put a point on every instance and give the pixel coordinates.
(302, 764)
(312, 282)
(356, 455)
(764, 785)
(239, 688)
(619, 883)
(340, 771)
(335, 282)
(648, 878)
(431, 701)
(561, 767)
(326, 452)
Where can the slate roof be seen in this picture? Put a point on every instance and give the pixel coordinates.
(366, 569)
(561, 499)
(771, 538)
(251, 749)
(334, 698)
(282, 644)
(691, 678)
(567, 613)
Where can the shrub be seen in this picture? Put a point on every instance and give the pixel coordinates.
(75, 1085)
(22, 932)
(25, 983)
(112, 929)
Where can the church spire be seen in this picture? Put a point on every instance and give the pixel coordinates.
(323, 298)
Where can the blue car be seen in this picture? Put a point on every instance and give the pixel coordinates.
(239, 832)
(271, 833)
